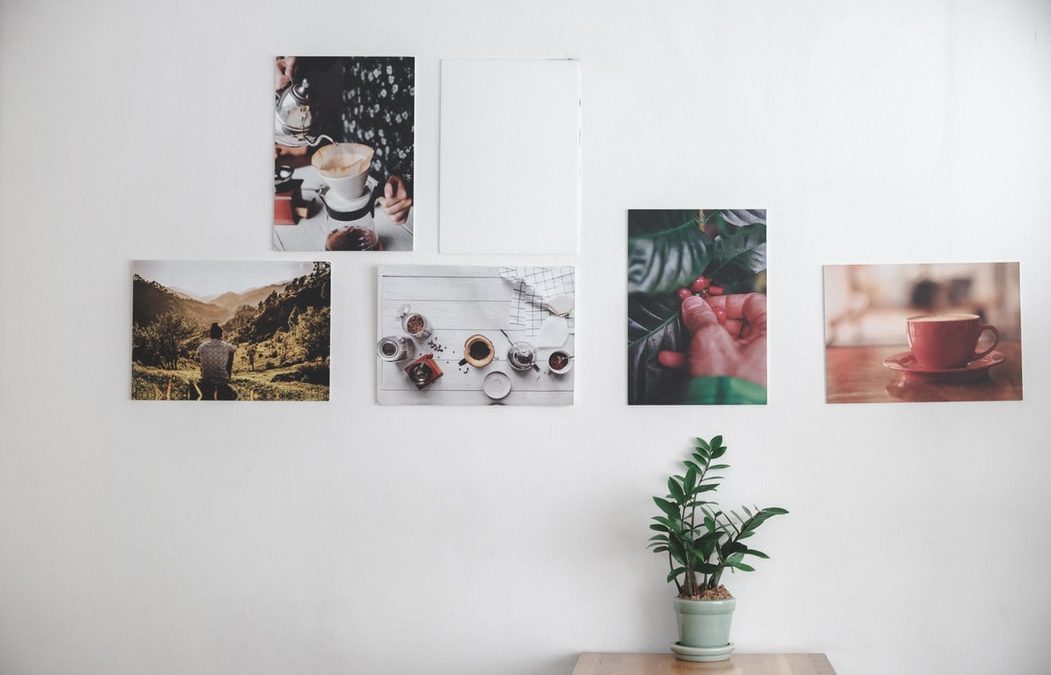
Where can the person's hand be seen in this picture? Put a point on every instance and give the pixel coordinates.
(395, 200)
(736, 347)
(285, 67)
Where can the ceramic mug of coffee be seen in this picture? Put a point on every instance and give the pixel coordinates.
(560, 362)
(942, 341)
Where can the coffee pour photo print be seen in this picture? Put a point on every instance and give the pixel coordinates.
(697, 307)
(923, 332)
(343, 153)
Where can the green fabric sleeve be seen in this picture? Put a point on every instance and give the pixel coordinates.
(723, 391)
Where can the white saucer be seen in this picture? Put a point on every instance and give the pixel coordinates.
(702, 654)
(497, 385)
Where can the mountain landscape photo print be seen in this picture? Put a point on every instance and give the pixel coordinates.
(213, 330)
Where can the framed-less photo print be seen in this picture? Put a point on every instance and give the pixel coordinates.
(223, 331)
(468, 335)
(696, 307)
(344, 133)
(923, 332)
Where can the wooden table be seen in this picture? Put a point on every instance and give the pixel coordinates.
(738, 664)
(857, 375)
(460, 302)
(310, 233)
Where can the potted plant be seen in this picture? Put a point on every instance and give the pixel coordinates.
(702, 541)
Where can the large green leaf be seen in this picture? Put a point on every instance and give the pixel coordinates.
(724, 221)
(667, 249)
(737, 257)
(654, 324)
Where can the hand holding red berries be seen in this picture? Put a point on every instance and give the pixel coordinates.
(727, 337)
(700, 283)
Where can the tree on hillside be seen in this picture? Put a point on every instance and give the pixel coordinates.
(164, 340)
(311, 332)
(241, 319)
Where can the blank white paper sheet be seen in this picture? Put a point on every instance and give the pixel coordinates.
(510, 156)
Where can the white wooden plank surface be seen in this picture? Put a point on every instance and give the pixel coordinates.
(449, 298)
(310, 233)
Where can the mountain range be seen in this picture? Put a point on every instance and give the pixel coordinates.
(263, 310)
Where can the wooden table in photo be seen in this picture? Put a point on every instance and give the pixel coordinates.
(738, 664)
(310, 233)
(857, 375)
(460, 302)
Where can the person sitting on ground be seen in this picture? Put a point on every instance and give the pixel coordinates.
(217, 365)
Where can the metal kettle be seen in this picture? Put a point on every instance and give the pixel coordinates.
(295, 117)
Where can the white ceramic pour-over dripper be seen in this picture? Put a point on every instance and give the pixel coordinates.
(345, 168)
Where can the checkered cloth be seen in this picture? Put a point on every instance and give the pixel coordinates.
(532, 288)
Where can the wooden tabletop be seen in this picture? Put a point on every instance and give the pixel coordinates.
(857, 375)
(738, 664)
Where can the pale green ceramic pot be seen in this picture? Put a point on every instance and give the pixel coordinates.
(704, 623)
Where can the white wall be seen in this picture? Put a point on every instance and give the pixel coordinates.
(345, 537)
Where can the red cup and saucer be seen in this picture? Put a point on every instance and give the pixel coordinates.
(943, 348)
(975, 370)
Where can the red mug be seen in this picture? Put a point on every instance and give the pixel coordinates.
(942, 341)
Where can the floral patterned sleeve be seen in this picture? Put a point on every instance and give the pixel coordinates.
(378, 95)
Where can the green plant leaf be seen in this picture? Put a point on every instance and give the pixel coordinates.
(734, 548)
(690, 482)
(675, 572)
(702, 444)
(667, 249)
(674, 525)
(757, 554)
(664, 505)
(660, 549)
(743, 567)
(737, 258)
(726, 221)
(655, 325)
(677, 550)
(676, 491)
(659, 527)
